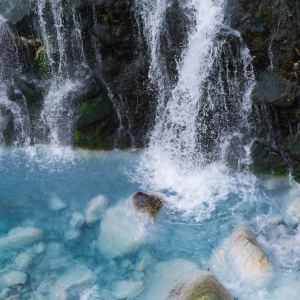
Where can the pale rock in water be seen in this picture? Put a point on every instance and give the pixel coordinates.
(182, 280)
(56, 204)
(54, 249)
(77, 220)
(144, 260)
(72, 234)
(94, 209)
(20, 237)
(128, 289)
(125, 227)
(241, 258)
(294, 212)
(23, 261)
(4, 293)
(77, 278)
(13, 278)
(39, 248)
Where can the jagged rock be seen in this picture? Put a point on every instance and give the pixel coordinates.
(13, 278)
(182, 280)
(94, 209)
(241, 258)
(77, 220)
(128, 289)
(124, 227)
(272, 89)
(146, 205)
(20, 237)
(77, 278)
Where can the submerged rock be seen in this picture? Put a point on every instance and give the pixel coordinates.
(77, 220)
(4, 293)
(182, 280)
(72, 234)
(94, 209)
(23, 261)
(79, 278)
(20, 237)
(126, 227)
(54, 249)
(125, 289)
(241, 258)
(13, 278)
(56, 204)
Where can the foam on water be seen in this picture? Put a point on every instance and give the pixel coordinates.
(32, 178)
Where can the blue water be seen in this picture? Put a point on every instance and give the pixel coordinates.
(31, 177)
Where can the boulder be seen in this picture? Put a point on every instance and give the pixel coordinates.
(128, 289)
(146, 206)
(94, 209)
(120, 232)
(182, 280)
(79, 278)
(126, 227)
(272, 89)
(77, 220)
(20, 237)
(13, 278)
(241, 258)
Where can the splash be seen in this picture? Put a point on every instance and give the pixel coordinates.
(204, 113)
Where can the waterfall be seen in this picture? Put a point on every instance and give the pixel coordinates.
(12, 116)
(206, 110)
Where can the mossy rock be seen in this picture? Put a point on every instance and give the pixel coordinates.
(95, 112)
(207, 289)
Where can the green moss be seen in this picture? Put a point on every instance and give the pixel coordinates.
(92, 113)
(79, 137)
(263, 12)
(124, 143)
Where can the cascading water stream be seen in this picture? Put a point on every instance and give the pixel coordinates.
(207, 107)
(12, 117)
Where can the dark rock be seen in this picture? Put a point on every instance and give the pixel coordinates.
(272, 89)
(149, 204)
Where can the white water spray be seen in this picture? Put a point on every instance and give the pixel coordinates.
(206, 107)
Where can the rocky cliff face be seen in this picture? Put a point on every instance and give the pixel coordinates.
(113, 106)
(270, 29)
(115, 102)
